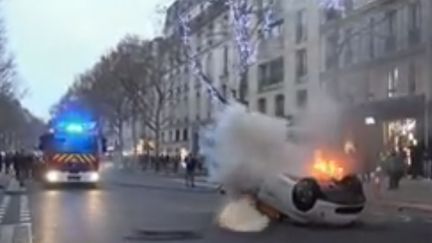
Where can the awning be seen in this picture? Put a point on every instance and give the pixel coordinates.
(392, 108)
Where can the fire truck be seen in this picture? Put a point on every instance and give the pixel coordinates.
(72, 150)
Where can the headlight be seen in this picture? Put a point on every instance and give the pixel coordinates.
(52, 176)
(94, 176)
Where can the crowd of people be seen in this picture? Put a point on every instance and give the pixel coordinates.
(190, 165)
(19, 164)
(397, 164)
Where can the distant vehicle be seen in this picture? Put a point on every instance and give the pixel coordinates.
(72, 151)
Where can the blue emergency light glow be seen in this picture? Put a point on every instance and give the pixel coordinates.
(74, 123)
(74, 128)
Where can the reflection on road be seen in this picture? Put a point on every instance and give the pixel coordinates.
(70, 212)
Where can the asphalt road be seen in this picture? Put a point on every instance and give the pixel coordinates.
(137, 208)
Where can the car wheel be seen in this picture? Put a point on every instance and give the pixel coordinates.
(305, 194)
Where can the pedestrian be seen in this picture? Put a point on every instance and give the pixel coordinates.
(28, 165)
(396, 169)
(176, 163)
(2, 160)
(427, 165)
(18, 166)
(8, 162)
(191, 164)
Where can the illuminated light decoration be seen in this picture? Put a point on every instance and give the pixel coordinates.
(268, 19)
(195, 63)
(333, 4)
(241, 15)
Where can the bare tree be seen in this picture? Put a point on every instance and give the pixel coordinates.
(144, 68)
(14, 119)
(98, 91)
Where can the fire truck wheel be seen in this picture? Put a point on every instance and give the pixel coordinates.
(305, 194)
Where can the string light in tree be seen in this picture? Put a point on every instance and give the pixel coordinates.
(194, 62)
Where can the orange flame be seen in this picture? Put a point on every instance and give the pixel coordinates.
(326, 169)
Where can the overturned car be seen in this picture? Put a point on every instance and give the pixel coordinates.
(309, 200)
(328, 196)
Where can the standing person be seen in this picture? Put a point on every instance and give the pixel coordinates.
(176, 162)
(18, 165)
(396, 169)
(2, 160)
(427, 165)
(29, 164)
(191, 164)
(167, 163)
(8, 162)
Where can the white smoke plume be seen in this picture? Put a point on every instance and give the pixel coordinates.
(244, 148)
(241, 215)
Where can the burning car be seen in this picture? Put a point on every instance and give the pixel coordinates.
(327, 197)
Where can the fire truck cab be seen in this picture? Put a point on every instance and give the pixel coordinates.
(72, 152)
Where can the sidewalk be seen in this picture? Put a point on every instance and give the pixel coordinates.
(139, 177)
(412, 194)
(10, 185)
(4, 180)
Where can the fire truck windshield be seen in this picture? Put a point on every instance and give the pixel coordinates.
(74, 144)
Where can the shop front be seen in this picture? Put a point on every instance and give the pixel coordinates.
(396, 124)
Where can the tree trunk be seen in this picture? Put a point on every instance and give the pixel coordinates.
(134, 138)
(157, 143)
(120, 140)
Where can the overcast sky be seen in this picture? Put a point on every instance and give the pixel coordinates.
(54, 40)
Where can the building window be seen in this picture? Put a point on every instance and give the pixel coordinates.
(301, 64)
(279, 105)
(271, 72)
(332, 13)
(209, 107)
(224, 90)
(301, 27)
(209, 66)
(392, 82)
(390, 42)
(185, 134)
(234, 93)
(302, 98)
(372, 38)
(225, 60)
(414, 22)
(170, 136)
(262, 105)
(348, 47)
(412, 78)
(177, 135)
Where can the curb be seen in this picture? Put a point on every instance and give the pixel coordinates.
(400, 205)
(408, 205)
